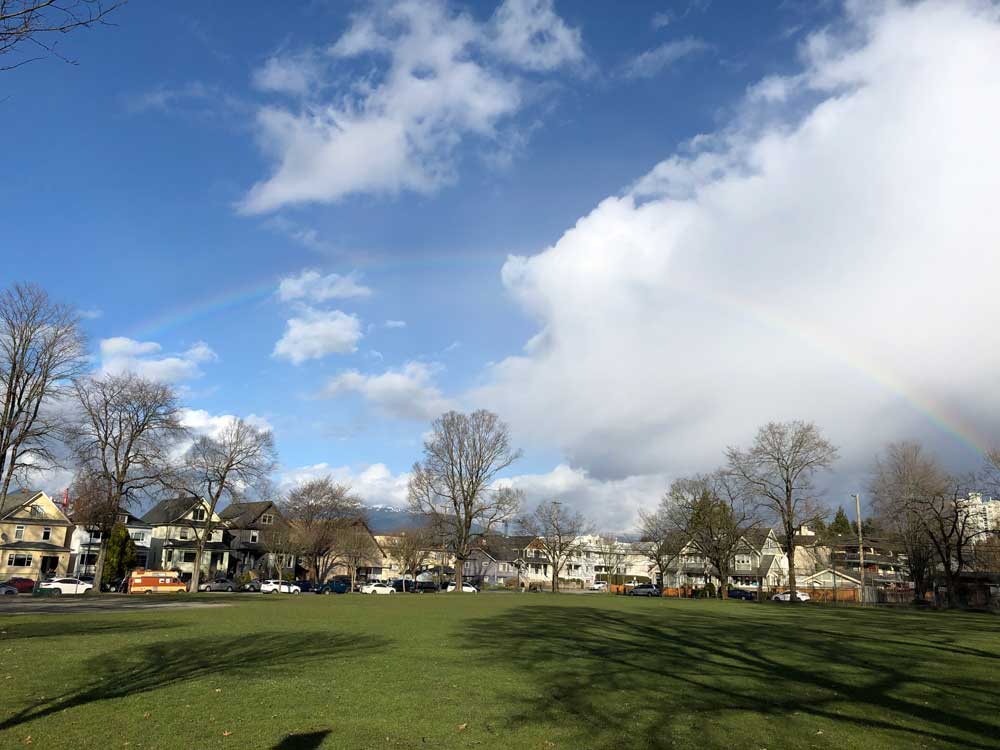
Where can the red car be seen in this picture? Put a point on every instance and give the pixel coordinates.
(23, 585)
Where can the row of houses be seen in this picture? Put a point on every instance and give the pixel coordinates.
(39, 538)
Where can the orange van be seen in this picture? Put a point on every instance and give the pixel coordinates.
(155, 582)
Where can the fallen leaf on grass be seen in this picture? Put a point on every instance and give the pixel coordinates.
(218, 690)
(27, 740)
(146, 715)
(461, 727)
(227, 733)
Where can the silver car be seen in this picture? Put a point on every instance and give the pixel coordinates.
(6, 590)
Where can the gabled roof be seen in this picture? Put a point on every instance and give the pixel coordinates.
(506, 548)
(838, 573)
(14, 500)
(246, 515)
(169, 510)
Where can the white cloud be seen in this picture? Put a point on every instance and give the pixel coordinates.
(831, 255)
(434, 85)
(120, 354)
(311, 286)
(295, 75)
(313, 334)
(374, 484)
(203, 423)
(91, 314)
(530, 33)
(652, 61)
(406, 393)
(395, 324)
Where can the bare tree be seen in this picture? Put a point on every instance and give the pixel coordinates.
(453, 485)
(33, 24)
(660, 541)
(778, 471)
(612, 554)
(316, 512)
(410, 548)
(41, 351)
(904, 473)
(356, 548)
(559, 533)
(121, 435)
(714, 514)
(241, 456)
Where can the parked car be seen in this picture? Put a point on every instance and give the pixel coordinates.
(467, 588)
(6, 590)
(599, 586)
(65, 586)
(333, 587)
(644, 589)
(426, 587)
(23, 585)
(253, 585)
(279, 587)
(400, 585)
(786, 596)
(218, 584)
(740, 594)
(307, 587)
(377, 588)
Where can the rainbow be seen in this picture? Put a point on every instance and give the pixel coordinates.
(933, 411)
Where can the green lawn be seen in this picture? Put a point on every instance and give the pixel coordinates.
(500, 671)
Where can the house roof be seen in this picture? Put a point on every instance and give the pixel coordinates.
(838, 573)
(170, 509)
(766, 561)
(506, 548)
(14, 500)
(245, 515)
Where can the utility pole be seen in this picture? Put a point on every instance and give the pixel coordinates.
(861, 546)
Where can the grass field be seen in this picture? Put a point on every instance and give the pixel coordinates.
(499, 671)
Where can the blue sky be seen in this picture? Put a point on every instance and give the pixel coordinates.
(401, 173)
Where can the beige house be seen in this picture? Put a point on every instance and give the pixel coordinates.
(34, 536)
(177, 524)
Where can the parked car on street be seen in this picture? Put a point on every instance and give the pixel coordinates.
(740, 594)
(786, 596)
(644, 589)
(6, 590)
(333, 587)
(253, 585)
(218, 584)
(307, 587)
(400, 584)
(23, 585)
(65, 586)
(426, 587)
(377, 588)
(467, 588)
(279, 587)
(599, 586)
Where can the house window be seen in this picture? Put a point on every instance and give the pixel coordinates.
(254, 535)
(138, 536)
(198, 514)
(19, 532)
(36, 510)
(189, 557)
(122, 518)
(18, 561)
(46, 533)
(267, 519)
(184, 533)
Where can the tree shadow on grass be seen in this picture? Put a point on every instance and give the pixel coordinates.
(131, 671)
(664, 677)
(62, 627)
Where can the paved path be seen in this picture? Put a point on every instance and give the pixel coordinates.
(27, 604)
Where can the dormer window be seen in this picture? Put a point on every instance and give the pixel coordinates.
(267, 519)
(198, 514)
(36, 510)
(122, 518)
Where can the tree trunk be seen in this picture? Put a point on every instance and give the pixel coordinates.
(555, 580)
(102, 553)
(459, 570)
(199, 551)
(791, 572)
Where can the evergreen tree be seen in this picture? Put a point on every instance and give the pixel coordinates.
(121, 556)
(841, 523)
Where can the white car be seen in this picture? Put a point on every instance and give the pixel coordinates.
(599, 586)
(279, 587)
(786, 596)
(66, 586)
(377, 588)
(467, 588)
